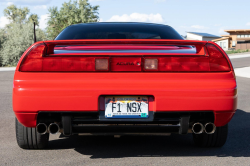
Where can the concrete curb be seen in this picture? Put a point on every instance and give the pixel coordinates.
(239, 56)
(243, 72)
(7, 68)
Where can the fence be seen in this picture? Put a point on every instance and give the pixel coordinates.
(242, 46)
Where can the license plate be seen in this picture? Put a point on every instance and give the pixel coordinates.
(126, 107)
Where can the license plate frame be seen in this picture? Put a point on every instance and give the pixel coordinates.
(126, 107)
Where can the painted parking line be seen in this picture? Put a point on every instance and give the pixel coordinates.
(7, 68)
(242, 72)
(239, 56)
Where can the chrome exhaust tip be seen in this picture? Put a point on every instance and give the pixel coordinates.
(210, 128)
(53, 128)
(197, 128)
(41, 128)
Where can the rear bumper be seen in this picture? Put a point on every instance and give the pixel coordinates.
(84, 92)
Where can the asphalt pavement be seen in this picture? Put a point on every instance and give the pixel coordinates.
(128, 150)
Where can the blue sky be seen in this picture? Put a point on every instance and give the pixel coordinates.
(210, 16)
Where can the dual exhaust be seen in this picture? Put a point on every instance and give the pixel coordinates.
(199, 128)
(42, 128)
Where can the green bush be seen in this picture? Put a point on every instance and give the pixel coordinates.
(18, 38)
(73, 12)
(2, 39)
(236, 51)
(18, 35)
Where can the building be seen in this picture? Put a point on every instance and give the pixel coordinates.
(237, 39)
(201, 36)
(224, 42)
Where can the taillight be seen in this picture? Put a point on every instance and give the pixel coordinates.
(215, 61)
(33, 60)
(184, 64)
(36, 60)
(68, 64)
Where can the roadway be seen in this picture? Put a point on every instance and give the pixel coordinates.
(130, 150)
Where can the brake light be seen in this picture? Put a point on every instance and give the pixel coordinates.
(215, 61)
(68, 64)
(33, 60)
(184, 64)
(38, 60)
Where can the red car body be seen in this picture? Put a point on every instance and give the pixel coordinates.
(123, 78)
(35, 92)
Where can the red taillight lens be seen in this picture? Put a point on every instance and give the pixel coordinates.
(184, 64)
(33, 60)
(181, 64)
(217, 60)
(68, 64)
(36, 60)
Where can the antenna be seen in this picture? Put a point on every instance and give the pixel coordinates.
(34, 32)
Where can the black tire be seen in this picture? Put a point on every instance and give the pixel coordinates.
(218, 139)
(28, 138)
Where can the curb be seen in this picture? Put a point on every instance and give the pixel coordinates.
(239, 56)
(7, 68)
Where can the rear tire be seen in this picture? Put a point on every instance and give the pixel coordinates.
(29, 138)
(217, 139)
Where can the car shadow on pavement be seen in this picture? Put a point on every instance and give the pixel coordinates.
(158, 146)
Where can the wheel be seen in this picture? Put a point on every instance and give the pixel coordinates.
(217, 139)
(28, 138)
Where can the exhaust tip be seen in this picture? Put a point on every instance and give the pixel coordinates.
(41, 128)
(53, 128)
(210, 128)
(197, 128)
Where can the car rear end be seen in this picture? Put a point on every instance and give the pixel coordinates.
(121, 86)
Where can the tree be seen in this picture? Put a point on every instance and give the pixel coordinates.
(2, 39)
(18, 38)
(20, 15)
(33, 18)
(75, 12)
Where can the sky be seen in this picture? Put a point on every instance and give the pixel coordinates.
(209, 16)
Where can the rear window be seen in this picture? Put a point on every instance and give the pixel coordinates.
(118, 31)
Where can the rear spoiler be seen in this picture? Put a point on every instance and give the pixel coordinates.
(200, 50)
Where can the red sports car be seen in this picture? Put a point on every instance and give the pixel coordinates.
(123, 78)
